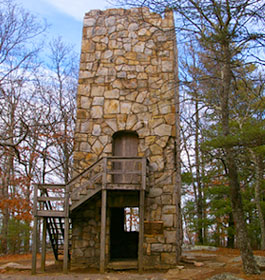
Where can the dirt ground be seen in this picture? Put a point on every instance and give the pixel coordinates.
(195, 265)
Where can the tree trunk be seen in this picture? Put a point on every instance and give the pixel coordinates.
(230, 233)
(198, 175)
(4, 232)
(249, 263)
(259, 178)
(8, 173)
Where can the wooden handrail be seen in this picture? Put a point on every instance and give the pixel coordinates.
(83, 172)
(47, 186)
(100, 177)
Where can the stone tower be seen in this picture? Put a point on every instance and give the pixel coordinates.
(126, 108)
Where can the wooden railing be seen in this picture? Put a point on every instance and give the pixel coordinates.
(52, 201)
(111, 173)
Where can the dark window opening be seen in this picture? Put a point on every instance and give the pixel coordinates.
(131, 221)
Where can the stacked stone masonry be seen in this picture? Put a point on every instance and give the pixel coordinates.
(127, 82)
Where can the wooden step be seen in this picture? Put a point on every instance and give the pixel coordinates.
(84, 198)
(123, 264)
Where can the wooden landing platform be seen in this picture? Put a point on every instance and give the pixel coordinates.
(126, 264)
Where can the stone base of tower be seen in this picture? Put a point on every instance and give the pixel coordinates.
(159, 239)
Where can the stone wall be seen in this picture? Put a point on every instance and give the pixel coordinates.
(127, 82)
(86, 235)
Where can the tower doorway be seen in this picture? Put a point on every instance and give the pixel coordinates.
(124, 233)
(125, 144)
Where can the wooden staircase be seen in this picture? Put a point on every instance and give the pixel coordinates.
(54, 202)
(54, 225)
(55, 229)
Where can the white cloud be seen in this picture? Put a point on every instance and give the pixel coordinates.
(78, 8)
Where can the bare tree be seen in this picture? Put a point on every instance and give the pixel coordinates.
(19, 31)
(64, 64)
(230, 33)
(58, 95)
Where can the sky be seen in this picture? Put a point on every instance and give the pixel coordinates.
(64, 16)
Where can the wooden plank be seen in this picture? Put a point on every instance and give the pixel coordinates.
(141, 232)
(141, 217)
(66, 202)
(84, 186)
(84, 198)
(111, 159)
(34, 246)
(96, 176)
(125, 149)
(83, 173)
(143, 173)
(66, 245)
(123, 157)
(123, 265)
(124, 187)
(51, 186)
(153, 227)
(81, 188)
(43, 245)
(35, 200)
(147, 175)
(103, 230)
(48, 213)
(43, 198)
(66, 231)
(104, 178)
(128, 159)
(124, 172)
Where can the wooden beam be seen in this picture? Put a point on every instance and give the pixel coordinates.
(43, 198)
(103, 231)
(73, 181)
(66, 245)
(50, 213)
(35, 229)
(51, 186)
(34, 246)
(141, 217)
(85, 186)
(112, 158)
(141, 232)
(66, 231)
(35, 200)
(134, 187)
(144, 169)
(125, 172)
(84, 198)
(43, 244)
(102, 261)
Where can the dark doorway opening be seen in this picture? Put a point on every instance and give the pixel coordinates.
(123, 237)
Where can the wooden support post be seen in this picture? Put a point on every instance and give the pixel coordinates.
(43, 245)
(103, 231)
(34, 246)
(141, 232)
(141, 217)
(35, 233)
(103, 218)
(66, 245)
(66, 231)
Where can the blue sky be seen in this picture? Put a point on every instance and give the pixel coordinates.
(64, 16)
